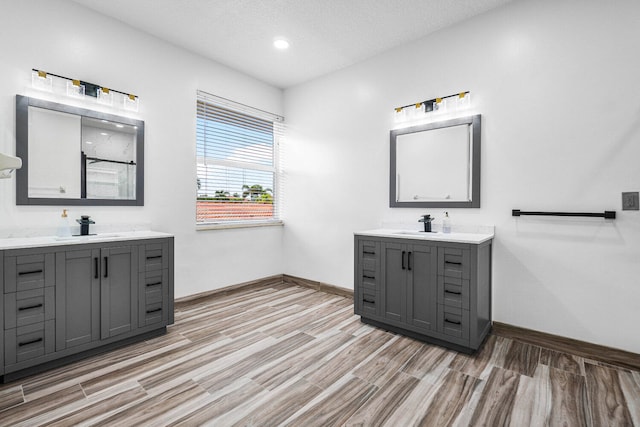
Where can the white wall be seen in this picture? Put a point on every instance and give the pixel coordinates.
(556, 83)
(63, 38)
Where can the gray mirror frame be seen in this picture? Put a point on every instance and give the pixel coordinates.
(22, 150)
(474, 121)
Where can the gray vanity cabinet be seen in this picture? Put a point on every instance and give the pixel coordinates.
(435, 291)
(393, 289)
(95, 294)
(28, 306)
(62, 302)
(368, 280)
(421, 289)
(153, 284)
(77, 297)
(1, 317)
(408, 284)
(118, 290)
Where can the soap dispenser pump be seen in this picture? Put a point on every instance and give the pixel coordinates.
(64, 229)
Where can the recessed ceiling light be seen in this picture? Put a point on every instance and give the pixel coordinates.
(281, 43)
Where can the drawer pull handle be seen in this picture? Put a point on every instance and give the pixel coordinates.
(368, 252)
(409, 260)
(452, 292)
(29, 307)
(154, 257)
(95, 268)
(454, 322)
(403, 266)
(154, 310)
(368, 277)
(24, 273)
(153, 284)
(453, 262)
(369, 301)
(22, 344)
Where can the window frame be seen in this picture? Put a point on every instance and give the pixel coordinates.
(219, 104)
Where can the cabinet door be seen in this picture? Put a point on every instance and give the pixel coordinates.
(394, 278)
(422, 285)
(118, 290)
(77, 297)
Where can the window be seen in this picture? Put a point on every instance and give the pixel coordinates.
(236, 160)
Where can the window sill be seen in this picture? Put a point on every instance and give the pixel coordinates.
(228, 226)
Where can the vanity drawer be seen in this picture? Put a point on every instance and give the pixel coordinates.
(453, 262)
(153, 298)
(369, 249)
(153, 313)
(453, 321)
(368, 287)
(153, 284)
(26, 272)
(28, 342)
(368, 300)
(154, 256)
(369, 264)
(453, 292)
(28, 307)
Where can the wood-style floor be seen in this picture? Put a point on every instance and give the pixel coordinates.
(288, 355)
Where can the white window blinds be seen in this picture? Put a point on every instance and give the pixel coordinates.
(237, 149)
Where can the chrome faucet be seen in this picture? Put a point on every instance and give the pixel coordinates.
(427, 222)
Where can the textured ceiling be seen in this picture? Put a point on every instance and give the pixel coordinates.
(325, 35)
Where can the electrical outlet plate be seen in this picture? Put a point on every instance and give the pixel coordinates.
(630, 201)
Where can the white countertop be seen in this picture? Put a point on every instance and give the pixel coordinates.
(438, 236)
(33, 242)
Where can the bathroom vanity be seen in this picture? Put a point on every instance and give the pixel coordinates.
(434, 287)
(64, 299)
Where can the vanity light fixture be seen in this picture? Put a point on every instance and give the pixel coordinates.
(456, 102)
(105, 97)
(76, 88)
(42, 81)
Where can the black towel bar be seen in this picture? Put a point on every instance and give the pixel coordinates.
(606, 214)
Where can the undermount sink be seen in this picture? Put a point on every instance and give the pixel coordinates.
(90, 236)
(415, 233)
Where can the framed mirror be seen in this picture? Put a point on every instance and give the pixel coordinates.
(436, 165)
(75, 156)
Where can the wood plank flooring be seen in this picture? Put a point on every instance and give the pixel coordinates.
(286, 355)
